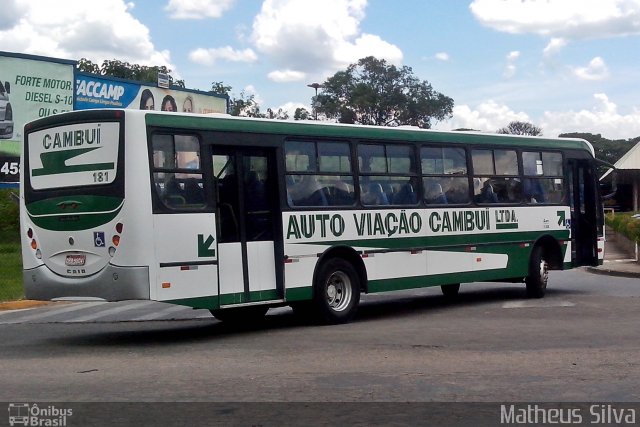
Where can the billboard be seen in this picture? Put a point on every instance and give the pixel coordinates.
(94, 91)
(30, 87)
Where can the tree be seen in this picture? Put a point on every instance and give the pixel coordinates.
(246, 105)
(301, 114)
(520, 128)
(219, 88)
(373, 92)
(125, 70)
(606, 149)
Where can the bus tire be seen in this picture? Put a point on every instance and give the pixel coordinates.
(450, 291)
(538, 276)
(336, 291)
(240, 315)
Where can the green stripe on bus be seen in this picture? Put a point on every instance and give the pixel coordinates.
(208, 303)
(74, 205)
(254, 296)
(511, 226)
(434, 242)
(299, 294)
(74, 212)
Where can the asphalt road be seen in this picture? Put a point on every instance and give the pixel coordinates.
(580, 343)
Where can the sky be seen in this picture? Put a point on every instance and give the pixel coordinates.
(563, 65)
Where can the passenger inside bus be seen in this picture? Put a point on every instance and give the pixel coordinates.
(487, 195)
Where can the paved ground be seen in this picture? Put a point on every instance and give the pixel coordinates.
(618, 261)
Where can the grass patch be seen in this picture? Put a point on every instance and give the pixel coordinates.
(11, 287)
(625, 224)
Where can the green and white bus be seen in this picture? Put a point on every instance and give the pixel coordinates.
(238, 215)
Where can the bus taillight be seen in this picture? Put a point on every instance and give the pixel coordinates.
(115, 240)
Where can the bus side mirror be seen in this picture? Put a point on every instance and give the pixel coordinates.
(7, 87)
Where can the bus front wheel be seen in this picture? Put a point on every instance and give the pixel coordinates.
(538, 276)
(336, 291)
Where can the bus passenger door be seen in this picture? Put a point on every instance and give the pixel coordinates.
(248, 225)
(584, 203)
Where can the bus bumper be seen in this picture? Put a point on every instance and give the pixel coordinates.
(112, 283)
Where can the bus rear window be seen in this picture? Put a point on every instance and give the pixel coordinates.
(74, 155)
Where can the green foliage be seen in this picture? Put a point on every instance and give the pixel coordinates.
(246, 105)
(520, 128)
(625, 224)
(301, 114)
(219, 88)
(9, 211)
(10, 264)
(125, 70)
(372, 92)
(606, 149)
(10, 255)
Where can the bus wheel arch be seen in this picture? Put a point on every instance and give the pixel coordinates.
(350, 255)
(545, 255)
(552, 251)
(337, 283)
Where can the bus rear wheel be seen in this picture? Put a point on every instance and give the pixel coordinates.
(240, 315)
(336, 291)
(538, 276)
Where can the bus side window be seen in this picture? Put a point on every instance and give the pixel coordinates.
(177, 171)
(444, 175)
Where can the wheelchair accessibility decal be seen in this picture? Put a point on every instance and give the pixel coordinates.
(98, 239)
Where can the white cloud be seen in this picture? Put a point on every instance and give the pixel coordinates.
(284, 76)
(573, 19)
(210, 56)
(596, 70)
(317, 36)
(510, 68)
(12, 10)
(603, 118)
(489, 116)
(198, 9)
(442, 56)
(290, 108)
(554, 46)
(82, 29)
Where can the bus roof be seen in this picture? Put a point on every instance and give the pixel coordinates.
(311, 129)
(223, 122)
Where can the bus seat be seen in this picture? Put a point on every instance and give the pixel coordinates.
(376, 195)
(387, 189)
(405, 196)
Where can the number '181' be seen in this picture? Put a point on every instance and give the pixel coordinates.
(100, 176)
